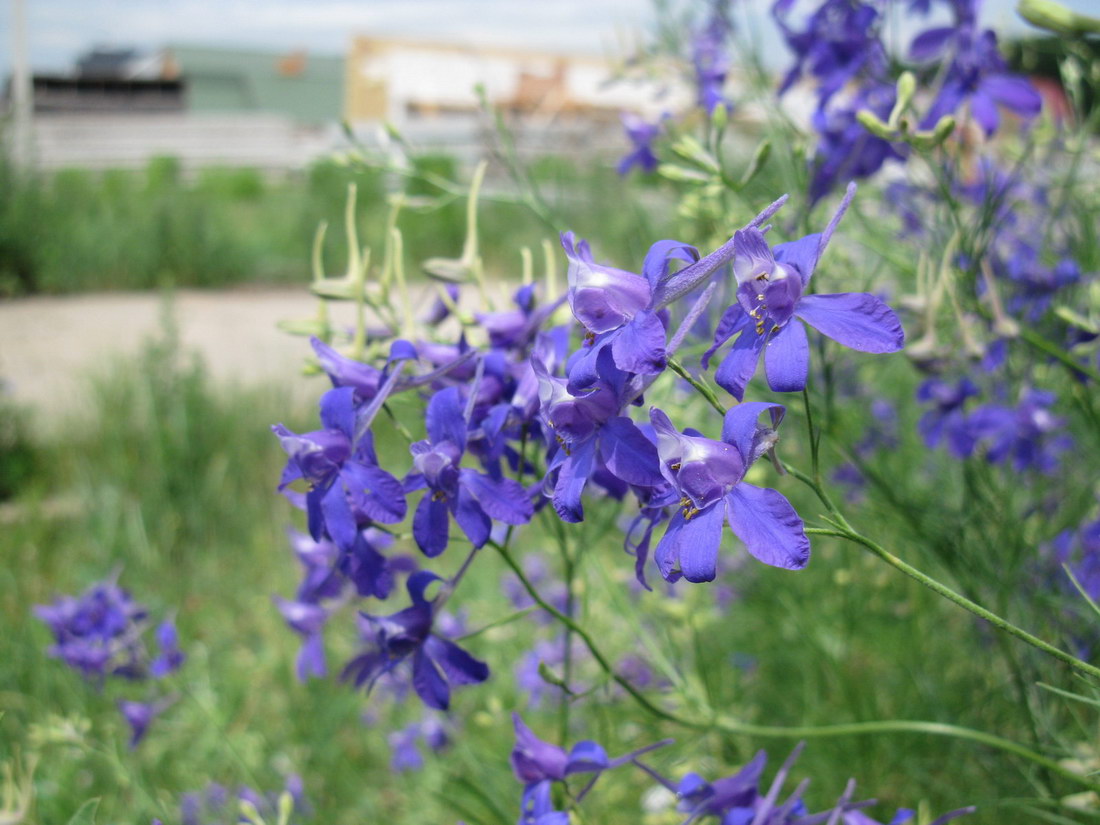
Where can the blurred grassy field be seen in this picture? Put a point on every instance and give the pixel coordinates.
(78, 230)
(174, 487)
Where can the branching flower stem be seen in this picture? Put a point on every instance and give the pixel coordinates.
(734, 727)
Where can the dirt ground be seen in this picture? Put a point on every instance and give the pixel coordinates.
(49, 346)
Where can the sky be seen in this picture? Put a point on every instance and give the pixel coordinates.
(60, 30)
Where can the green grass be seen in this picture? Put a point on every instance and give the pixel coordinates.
(77, 230)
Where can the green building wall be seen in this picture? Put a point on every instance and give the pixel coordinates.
(306, 87)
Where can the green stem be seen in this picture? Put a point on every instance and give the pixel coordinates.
(1057, 353)
(699, 386)
(845, 532)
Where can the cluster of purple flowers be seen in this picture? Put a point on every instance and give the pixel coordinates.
(711, 61)
(839, 47)
(101, 633)
(1028, 435)
(740, 799)
(480, 473)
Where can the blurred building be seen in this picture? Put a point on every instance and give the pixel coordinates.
(433, 92)
(279, 110)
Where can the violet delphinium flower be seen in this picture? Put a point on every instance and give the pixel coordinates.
(346, 485)
(616, 308)
(946, 421)
(538, 764)
(978, 75)
(585, 430)
(771, 306)
(641, 134)
(139, 715)
(710, 57)
(472, 497)
(170, 658)
(845, 149)
(709, 478)
(1029, 434)
(407, 636)
(405, 752)
(99, 632)
(840, 40)
(740, 800)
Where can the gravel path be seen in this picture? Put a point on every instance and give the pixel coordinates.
(50, 345)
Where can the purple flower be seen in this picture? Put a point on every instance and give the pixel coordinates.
(590, 435)
(840, 40)
(616, 307)
(346, 485)
(771, 305)
(845, 149)
(474, 499)
(709, 478)
(139, 715)
(99, 632)
(740, 800)
(1028, 433)
(537, 764)
(641, 134)
(406, 636)
(171, 657)
(308, 621)
(947, 421)
(978, 75)
(710, 57)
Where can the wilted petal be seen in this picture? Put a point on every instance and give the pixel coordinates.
(768, 526)
(857, 320)
(787, 358)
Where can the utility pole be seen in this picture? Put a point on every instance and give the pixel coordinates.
(22, 137)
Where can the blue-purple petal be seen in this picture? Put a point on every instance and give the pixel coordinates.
(768, 526)
(430, 525)
(787, 358)
(858, 320)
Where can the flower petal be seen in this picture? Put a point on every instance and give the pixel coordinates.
(628, 454)
(586, 757)
(459, 666)
(768, 525)
(739, 365)
(572, 477)
(689, 547)
(787, 358)
(858, 320)
(445, 420)
(640, 345)
(431, 525)
(429, 683)
(502, 499)
(471, 518)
